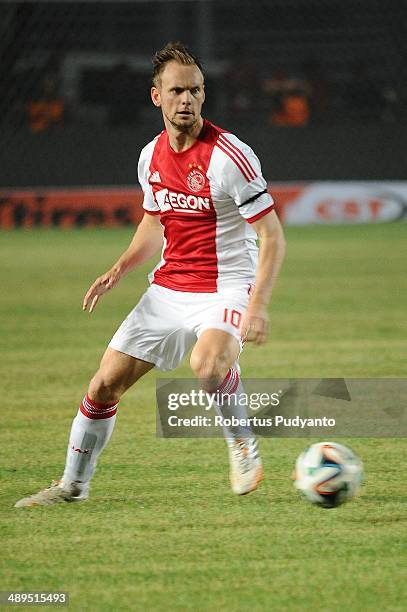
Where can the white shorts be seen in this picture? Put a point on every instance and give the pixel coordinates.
(165, 324)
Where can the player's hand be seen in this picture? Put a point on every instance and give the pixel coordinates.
(255, 324)
(101, 285)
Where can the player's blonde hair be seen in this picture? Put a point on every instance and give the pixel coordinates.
(173, 51)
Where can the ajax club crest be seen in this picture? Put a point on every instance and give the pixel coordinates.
(196, 178)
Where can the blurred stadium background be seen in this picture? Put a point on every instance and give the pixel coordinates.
(317, 88)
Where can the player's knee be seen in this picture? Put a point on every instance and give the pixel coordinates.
(208, 368)
(104, 389)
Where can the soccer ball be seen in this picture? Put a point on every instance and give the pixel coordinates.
(328, 474)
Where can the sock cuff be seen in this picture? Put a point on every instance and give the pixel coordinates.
(230, 383)
(97, 410)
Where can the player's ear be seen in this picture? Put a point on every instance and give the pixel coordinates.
(155, 96)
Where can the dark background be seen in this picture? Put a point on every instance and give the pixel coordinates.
(346, 60)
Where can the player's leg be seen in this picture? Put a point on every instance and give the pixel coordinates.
(92, 427)
(212, 357)
(152, 333)
(117, 373)
(94, 423)
(213, 361)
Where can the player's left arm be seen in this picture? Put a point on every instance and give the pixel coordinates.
(272, 247)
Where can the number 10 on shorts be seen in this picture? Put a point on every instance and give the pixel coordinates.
(232, 316)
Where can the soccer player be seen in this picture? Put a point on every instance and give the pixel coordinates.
(205, 203)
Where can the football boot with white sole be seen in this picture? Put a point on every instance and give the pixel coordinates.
(246, 469)
(57, 493)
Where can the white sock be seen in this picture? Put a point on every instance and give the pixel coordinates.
(229, 392)
(91, 431)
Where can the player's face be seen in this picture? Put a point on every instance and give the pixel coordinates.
(180, 94)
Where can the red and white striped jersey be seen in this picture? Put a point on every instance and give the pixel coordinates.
(206, 197)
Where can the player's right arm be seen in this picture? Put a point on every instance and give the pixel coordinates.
(147, 241)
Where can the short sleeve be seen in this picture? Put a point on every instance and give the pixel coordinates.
(240, 176)
(149, 204)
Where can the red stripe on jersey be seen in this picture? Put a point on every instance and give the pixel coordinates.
(239, 153)
(230, 154)
(260, 214)
(151, 212)
(242, 157)
(190, 257)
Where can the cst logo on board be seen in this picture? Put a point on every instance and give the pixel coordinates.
(196, 178)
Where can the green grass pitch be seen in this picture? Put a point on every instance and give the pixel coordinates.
(162, 531)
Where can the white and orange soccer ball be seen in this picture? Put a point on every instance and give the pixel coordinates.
(328, 474)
